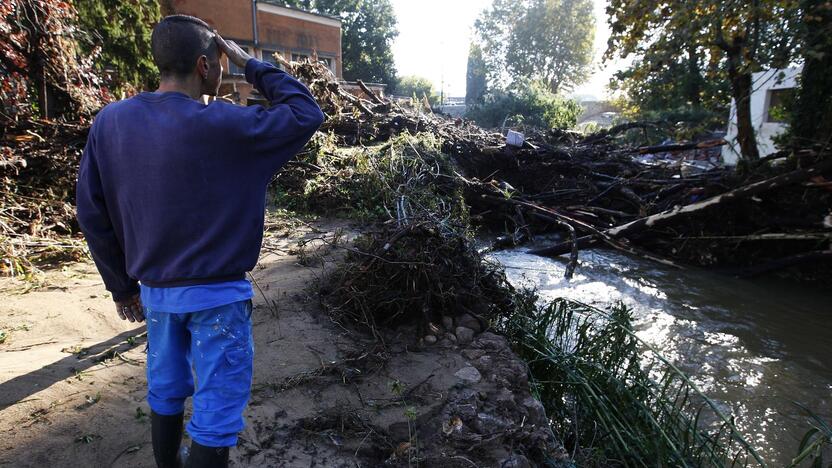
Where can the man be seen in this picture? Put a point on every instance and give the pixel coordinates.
(171, 195)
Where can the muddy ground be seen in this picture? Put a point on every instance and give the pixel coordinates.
(72, 382)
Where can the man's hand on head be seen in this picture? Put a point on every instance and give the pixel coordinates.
(130, 309)
(235, 53)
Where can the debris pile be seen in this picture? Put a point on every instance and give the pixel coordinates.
(594, 189)
(47, 94)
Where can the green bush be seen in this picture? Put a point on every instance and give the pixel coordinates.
(417, 86)
(528, 103)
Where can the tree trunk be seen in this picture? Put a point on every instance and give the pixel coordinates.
(693, 86)
(741, 85)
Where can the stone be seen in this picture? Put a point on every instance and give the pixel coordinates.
(491, 342)
(537, 413)
(430, 339)
(469, 374)
(473, 354)
(464, 335)
(469, 321)
(448, 323)
(515, 461)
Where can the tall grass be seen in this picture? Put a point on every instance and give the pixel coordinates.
(614, 399)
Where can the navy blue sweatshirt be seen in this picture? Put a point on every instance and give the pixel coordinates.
(172, 192)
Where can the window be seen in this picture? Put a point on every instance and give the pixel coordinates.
(268, 56)
(234, 69)
(779, 102)
(299, 57)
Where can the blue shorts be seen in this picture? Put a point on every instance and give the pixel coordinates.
(216, 345)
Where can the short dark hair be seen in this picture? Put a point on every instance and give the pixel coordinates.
(178, 41)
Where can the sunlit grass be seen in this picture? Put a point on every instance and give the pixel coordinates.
(614, 399)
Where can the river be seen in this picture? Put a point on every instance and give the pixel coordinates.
(752, 346)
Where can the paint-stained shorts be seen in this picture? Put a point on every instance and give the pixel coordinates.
(215, 345)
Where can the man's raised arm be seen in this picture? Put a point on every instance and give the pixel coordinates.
(292, 117)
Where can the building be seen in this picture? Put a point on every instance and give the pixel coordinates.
(263, 28)
(770, 89)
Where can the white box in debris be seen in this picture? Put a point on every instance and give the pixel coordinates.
(515, 138)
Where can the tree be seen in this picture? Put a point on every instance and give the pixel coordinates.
(39, 58)
(812, 112)
(741, 36)
(529, 103)
(418, 86)
(121, 29)
(542, 40)
(369, 28)
(475, 80)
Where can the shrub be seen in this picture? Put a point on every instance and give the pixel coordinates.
(528, 103)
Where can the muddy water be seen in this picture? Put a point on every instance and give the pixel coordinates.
(753, 346)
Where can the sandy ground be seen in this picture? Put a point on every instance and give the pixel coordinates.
(72, 381)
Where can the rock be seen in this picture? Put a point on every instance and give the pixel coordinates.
(430, 339)
(537, 413)
(515, 461)
(469, 374)
(448, 323)
(484, 363)
(464, 335)
(473, 354)
(491, 342)
(469, 321)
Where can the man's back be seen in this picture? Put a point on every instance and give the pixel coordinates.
(183, 184)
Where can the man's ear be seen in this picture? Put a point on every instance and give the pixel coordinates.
(203, 66)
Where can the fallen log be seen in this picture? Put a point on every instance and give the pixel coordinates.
(673, 214)
(667, 216)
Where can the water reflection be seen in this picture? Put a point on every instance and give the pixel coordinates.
(754, 347)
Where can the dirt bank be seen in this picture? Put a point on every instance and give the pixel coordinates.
(72, 380)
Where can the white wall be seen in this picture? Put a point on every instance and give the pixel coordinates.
(762, 82)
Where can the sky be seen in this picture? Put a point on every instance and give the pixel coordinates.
(434, 36)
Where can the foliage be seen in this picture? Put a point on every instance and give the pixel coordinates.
(369, 28)
(121, 30)
(812, 114)
(526, 103)
(665, 86)
(476, 76)
(417, 86)
(612, 397)
(40, 60)
(815, 442)
(686, 46)
(369, 183)
(544, 40)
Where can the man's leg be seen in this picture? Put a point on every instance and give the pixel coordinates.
(223, 352)
(169, 382)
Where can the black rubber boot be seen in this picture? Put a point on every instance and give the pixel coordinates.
(166, 433)
(201, 456)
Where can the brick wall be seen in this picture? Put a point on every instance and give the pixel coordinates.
(277, 31)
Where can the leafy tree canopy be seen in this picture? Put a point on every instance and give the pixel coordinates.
(418, 86)
(477, 75)
(529, 103)
(369, 28)
(545, 40)
(678, 40)
(121, 29)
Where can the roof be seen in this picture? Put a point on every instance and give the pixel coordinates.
(281, 4)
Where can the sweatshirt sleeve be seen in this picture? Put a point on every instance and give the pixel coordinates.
(293, 116)
(97, 227)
